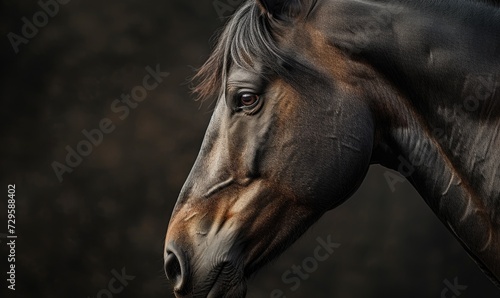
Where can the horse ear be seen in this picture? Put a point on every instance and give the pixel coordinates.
(280, 9)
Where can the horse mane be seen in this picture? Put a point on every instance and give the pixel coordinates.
(247, 35)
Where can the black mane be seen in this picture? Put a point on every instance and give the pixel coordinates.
(246, 36)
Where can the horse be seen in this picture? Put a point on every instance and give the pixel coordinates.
(309, 94)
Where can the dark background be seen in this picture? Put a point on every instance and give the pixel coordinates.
(112, 211)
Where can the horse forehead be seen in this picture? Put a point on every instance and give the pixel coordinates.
(238, 74)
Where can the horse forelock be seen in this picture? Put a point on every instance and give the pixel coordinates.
(246, 38)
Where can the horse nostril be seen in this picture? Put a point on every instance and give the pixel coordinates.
(172, 267)
(176, 268)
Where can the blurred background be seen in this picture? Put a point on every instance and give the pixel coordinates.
(110, 213)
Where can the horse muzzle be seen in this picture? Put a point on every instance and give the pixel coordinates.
(209, 273)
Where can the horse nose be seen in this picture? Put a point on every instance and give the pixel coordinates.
(176, 268)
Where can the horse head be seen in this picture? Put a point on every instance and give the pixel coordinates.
(290, 138)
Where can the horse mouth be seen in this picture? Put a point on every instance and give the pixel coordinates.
(214, 287)
(223, 282)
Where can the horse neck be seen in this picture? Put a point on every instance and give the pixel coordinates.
(463, 198)
(436, 97)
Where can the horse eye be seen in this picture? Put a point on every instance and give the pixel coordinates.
(248, 100)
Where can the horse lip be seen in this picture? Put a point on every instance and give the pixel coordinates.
(212, 287)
